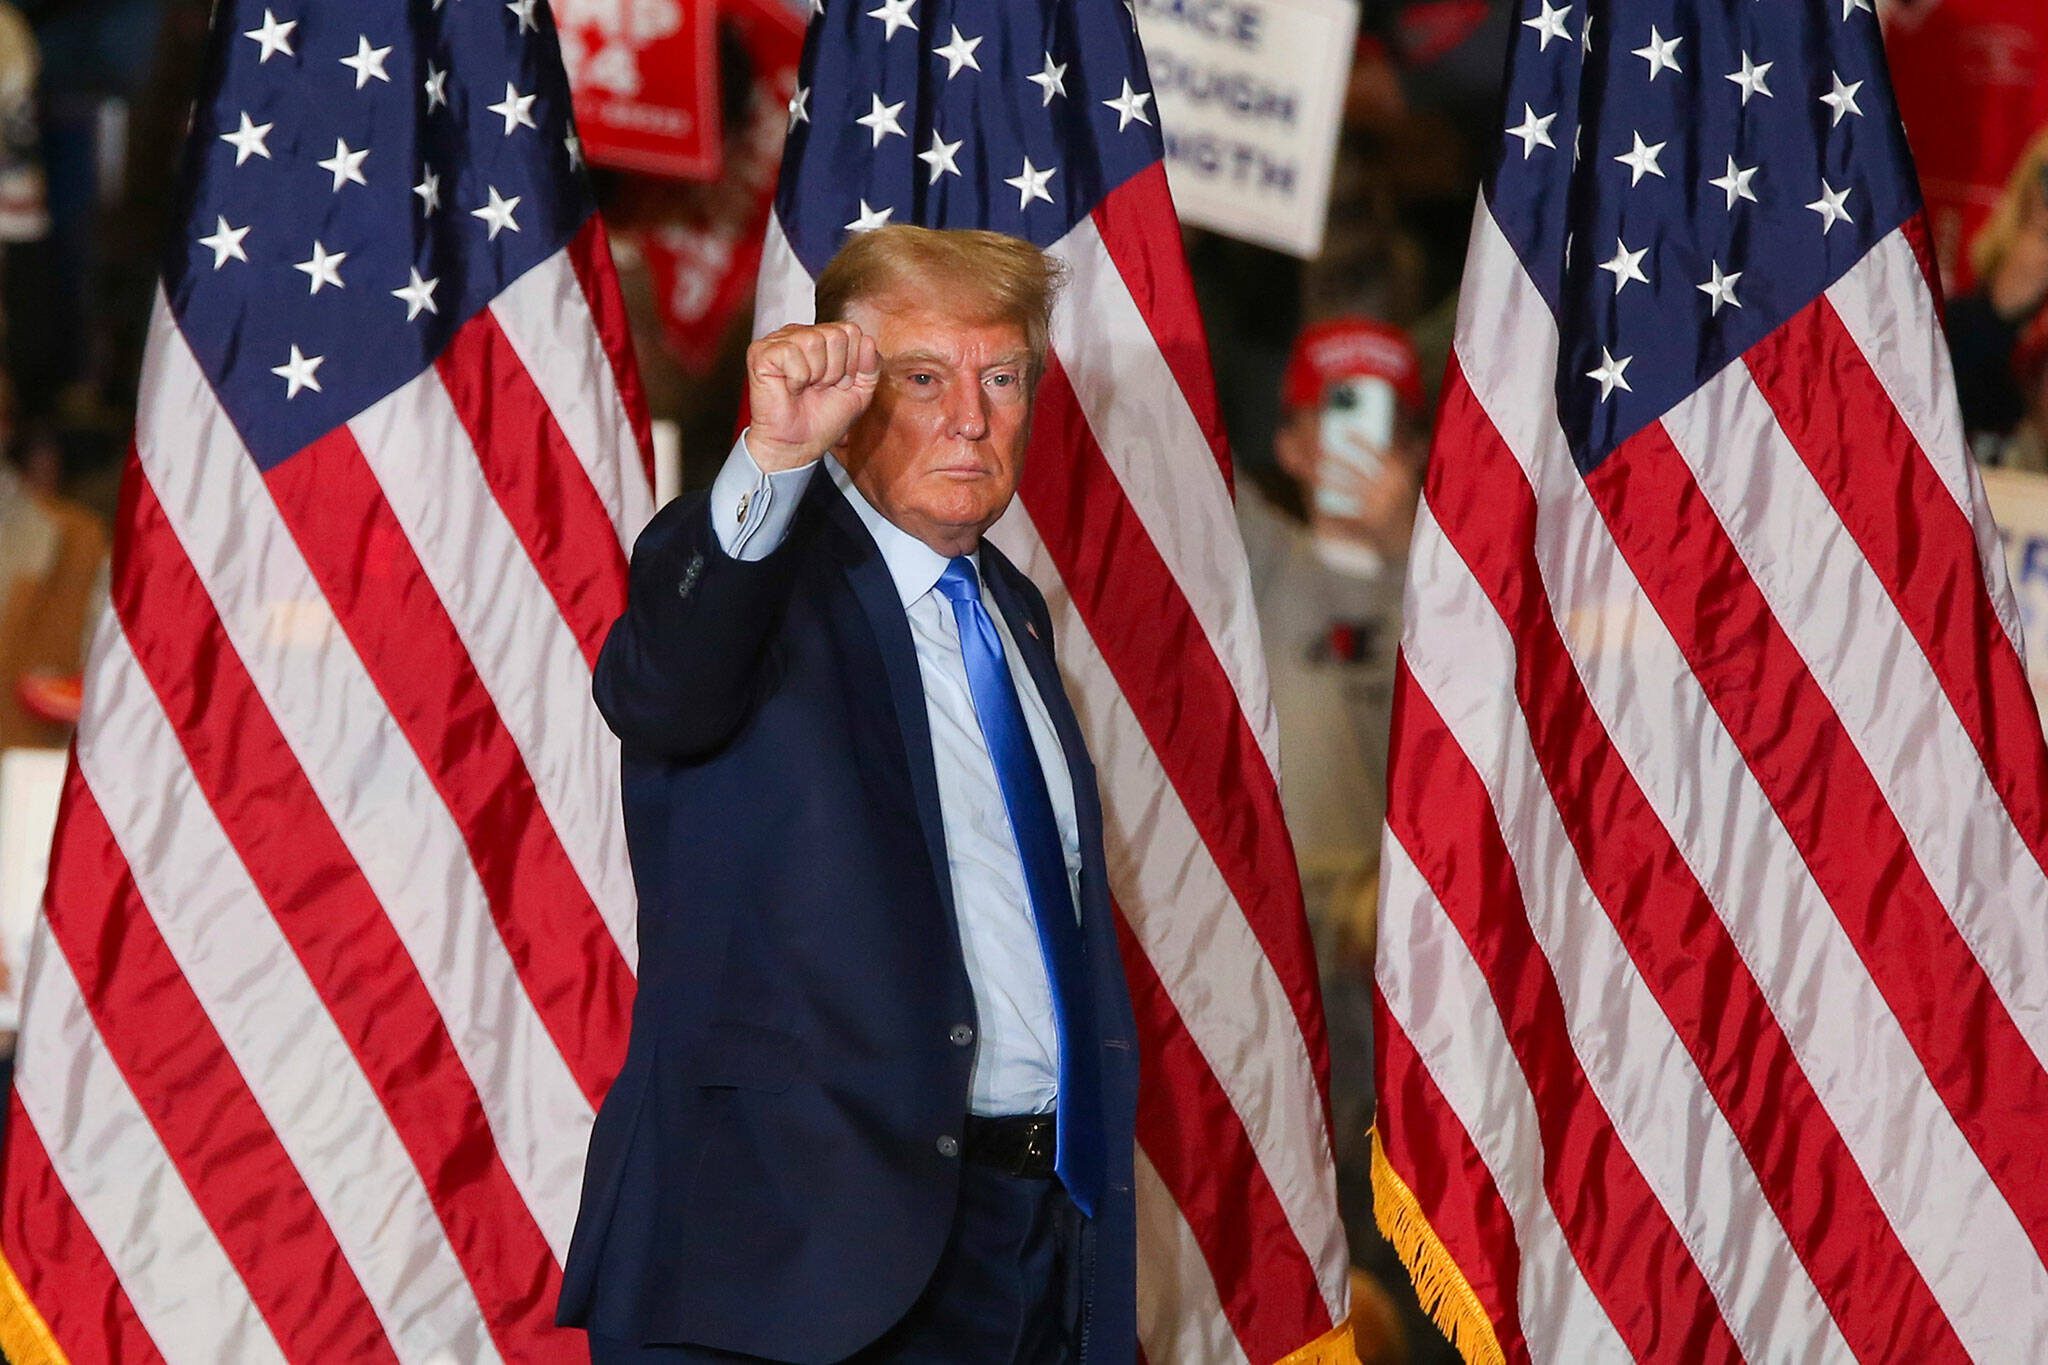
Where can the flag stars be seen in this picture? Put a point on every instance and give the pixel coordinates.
(1548, 23)
(1130, 104)
(1735, 183)
(959, 53)
(1832, 207)
(939, 156)
(299, 372)
(573, 145)
(417, 295)
(322, 268)
(870, 219)
(516, 109)
(1030, 184)
(248, 140)
(1627, 266)
(497, 214)
(1052, 80)
(1721, 288)
(800, 106)
(894, 14)
(1661, 53)
(346, 165)
(1849, 7)
(225, 242)
(1609, 373)
(436, 86)
(522, 11)
(429, 191)
(272, 37)
(880, 119)
(1751, 79)
(368, 62)
(1842, 99)
(1534, 130)
(1641, 160)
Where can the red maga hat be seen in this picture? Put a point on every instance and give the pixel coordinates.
(1350, 348)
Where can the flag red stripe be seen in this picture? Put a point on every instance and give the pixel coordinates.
(1633, 1258)
(536, 478)
(59, 1261)
(1434, 1154)
(214, 1132)
(1166, 669)
(1677, 941)
(1809, 768)
(1138, 228)
(380, 594)
(332, 919)
(590, 256)
(1836, 413)
(1199, 1146)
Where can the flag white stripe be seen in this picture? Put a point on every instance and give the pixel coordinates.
(118, 1177)
(1180, 1317)
(1151, 440)
(367, 777)
(1886, 307)
(1462, 656)
(270, 1019)
(1440, 998)
(522, 649)
(1197, 938)
(547, 318)
(786, 293)
(1836, 611)
(1930, 1184)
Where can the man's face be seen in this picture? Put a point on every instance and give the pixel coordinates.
(940, 449)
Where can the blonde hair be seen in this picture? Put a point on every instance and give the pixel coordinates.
(989, 276)
(1995, 238)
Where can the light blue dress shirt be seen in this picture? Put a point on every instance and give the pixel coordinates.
(1016, 1060)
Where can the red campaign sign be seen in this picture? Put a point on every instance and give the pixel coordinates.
(703, 266)
(645, 76)
(1972, 83)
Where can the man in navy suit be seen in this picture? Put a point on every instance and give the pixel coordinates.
(879, 1099)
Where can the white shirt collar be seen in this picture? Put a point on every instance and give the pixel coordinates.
(914, 565)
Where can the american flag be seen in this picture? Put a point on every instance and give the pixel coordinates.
(338, 944)
(1713, 955)
(1037, 119)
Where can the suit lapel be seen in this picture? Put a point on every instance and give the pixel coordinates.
(876, 592)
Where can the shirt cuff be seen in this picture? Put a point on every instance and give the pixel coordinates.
(751, 511)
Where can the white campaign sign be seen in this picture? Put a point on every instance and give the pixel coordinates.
(1249, 95)
(2019, 503)
(30, 782)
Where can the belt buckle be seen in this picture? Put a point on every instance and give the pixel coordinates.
(1037, 1147)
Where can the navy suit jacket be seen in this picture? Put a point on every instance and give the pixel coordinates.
(767, 1174)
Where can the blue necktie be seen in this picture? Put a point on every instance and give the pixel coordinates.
(1079, 1158)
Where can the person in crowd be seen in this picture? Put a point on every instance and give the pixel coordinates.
(53, 556)
(1993, 331)
(1327, 547)
(879, 1097)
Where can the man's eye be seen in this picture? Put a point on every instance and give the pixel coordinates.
(1002, 380)
(922, 379)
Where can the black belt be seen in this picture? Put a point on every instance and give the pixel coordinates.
(1017, 1144)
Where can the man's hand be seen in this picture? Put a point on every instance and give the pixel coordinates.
(805, 387)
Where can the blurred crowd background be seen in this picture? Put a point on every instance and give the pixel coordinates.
(1327, 367)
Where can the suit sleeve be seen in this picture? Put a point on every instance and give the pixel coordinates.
(683, 666)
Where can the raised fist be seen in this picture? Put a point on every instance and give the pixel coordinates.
(805, 387)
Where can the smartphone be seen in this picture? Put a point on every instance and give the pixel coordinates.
(1356, 425)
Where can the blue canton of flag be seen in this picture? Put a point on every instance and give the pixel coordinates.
(362, 179)
(1679, 179)
(976, 114)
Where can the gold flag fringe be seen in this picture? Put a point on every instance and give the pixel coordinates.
(1334, 1347)
(1445, 1293)
(24, 1336)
